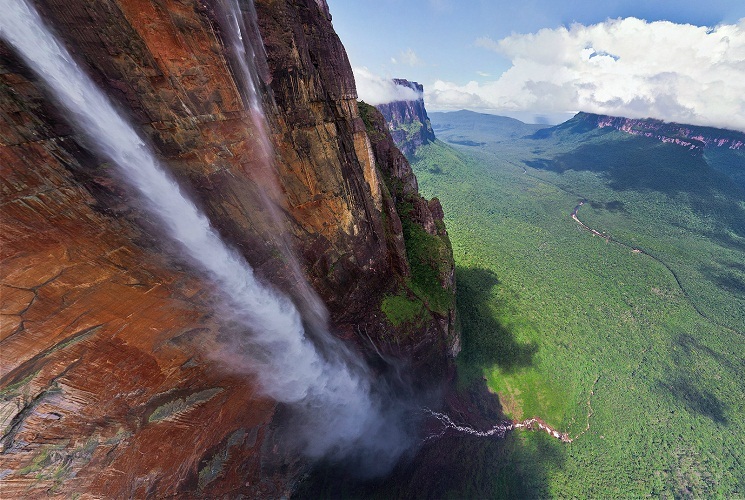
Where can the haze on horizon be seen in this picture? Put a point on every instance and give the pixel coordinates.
(542, 61)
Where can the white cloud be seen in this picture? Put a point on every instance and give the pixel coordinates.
(626, 67)
(376, 90)
(408, 57)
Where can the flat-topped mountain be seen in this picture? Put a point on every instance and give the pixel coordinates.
(469, 128)
(407, 120)
(690, 136)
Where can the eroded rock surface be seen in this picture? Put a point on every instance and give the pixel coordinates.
(110, 384)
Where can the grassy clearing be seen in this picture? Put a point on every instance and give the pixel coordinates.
(428, 256)
(548, 308)
(399, 309)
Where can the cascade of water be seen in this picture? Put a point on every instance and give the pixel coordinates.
(241, 34)
(342, 411)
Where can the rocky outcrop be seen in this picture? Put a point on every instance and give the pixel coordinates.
(109, 382)
(407, 120)
(689, 136)
(427, 291)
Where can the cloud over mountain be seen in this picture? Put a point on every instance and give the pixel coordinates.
(376, 90)
(630, 67)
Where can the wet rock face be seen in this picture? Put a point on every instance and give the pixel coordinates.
(99, 331)
(326, 173)
(109, 382)
(407, 120)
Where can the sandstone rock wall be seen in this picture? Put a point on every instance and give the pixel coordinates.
(431, 269)
(109, 384)
(692, 137)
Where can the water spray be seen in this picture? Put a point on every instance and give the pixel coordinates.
(343, 414)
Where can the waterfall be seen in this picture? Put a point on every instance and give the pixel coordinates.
(241, 34)
(342, 413)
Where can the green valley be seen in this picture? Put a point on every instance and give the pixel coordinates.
(631, 342)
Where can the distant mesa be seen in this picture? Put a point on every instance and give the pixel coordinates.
(407, 120)
(693, 137)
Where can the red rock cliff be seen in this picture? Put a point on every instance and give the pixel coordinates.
(107, 386)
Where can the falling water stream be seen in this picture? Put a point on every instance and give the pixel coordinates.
(242, 38)
(341, 411)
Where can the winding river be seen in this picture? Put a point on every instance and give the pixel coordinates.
(634, 249)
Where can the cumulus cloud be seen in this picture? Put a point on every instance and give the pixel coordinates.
(375, 90)
(627, 67)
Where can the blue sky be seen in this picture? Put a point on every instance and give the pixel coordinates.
(461, 49)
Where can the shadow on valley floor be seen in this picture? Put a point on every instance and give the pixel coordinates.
(727, 279)
(457, 466)
(452, 465)
(641, 164)
(685, 386)
(486, 342)
(696, 400)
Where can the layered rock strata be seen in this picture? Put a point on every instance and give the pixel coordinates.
(690, 136)
(109, 381)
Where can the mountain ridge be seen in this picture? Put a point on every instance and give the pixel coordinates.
(476, 129)
(694, 137)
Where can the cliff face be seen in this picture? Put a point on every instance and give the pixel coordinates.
(109, 383)
(426, 294)
(690, 136)
(407, 120)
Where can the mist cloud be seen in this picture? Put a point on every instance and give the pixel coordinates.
(376, 90)
(338, 408)
(628, 67)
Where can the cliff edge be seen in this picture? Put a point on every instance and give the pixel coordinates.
(113, 381)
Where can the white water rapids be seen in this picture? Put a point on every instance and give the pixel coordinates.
(340, 411)
(499, 430)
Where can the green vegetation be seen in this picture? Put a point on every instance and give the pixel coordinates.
(399, 309)
(14, 389)
(580, 330)
(411, 129)
(180, 405)
(214, 467)
(366, 113)
(429, 257)
(426, 292)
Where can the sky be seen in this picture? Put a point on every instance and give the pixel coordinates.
(541, 61)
